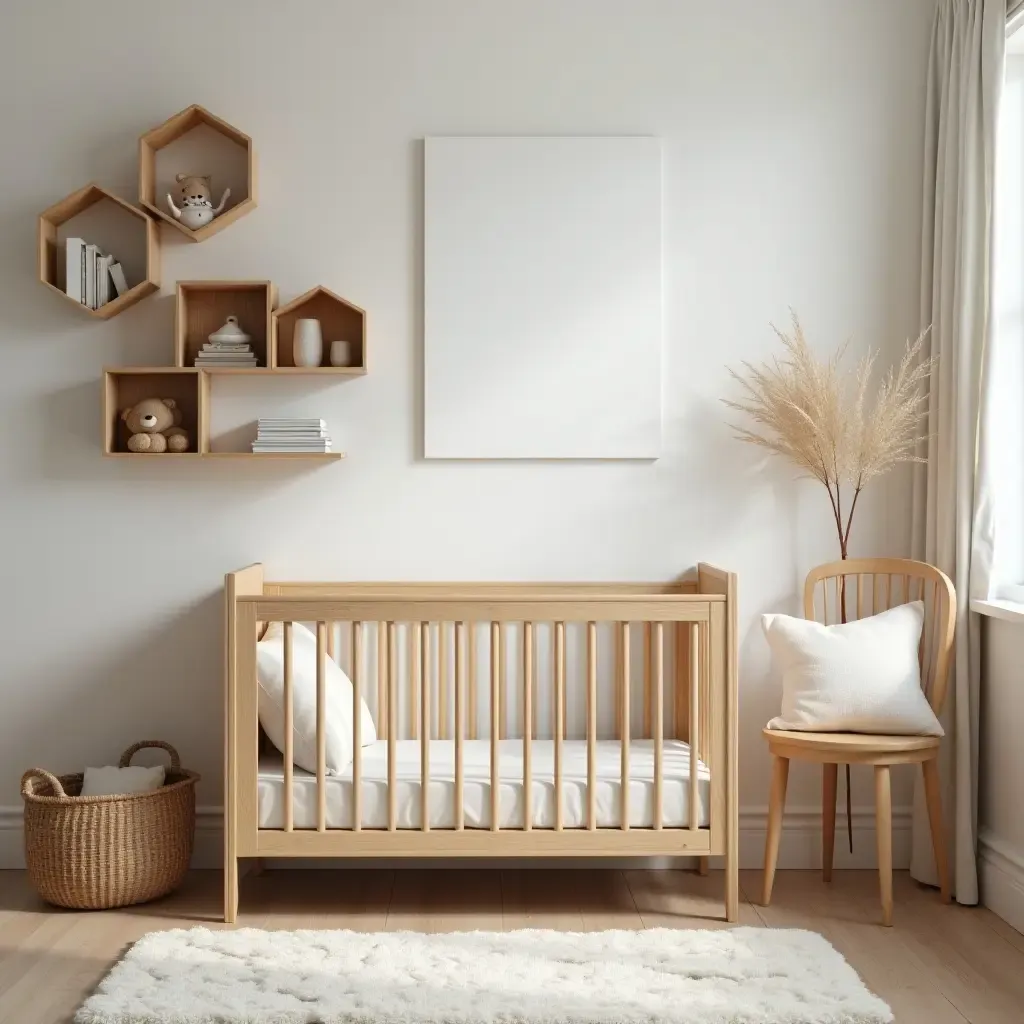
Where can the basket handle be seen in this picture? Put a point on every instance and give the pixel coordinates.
(51, 780)
(126, 757)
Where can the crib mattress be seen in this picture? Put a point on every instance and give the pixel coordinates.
(675, 798)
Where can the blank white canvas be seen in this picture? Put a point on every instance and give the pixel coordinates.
(542, 298)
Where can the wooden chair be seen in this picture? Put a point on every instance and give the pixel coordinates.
(843, 591)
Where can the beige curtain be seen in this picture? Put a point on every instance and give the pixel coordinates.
(952, 506)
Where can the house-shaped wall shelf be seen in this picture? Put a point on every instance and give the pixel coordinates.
(117, 226)
(194, 141)
(340, 320)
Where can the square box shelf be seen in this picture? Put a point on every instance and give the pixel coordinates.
(194, 141)
(340, 320)
(100, 218)
(203, 306)
(124, 386)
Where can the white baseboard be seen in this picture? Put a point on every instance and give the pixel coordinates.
(800, 846)
(1001, 871)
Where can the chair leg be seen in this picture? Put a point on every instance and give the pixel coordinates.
(776, 805)
(883, 835)
(829, 776)
(933, 795)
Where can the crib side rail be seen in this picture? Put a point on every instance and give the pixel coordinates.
(462, 620)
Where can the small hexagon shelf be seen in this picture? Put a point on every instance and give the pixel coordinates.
(117, 227)
(340, 320)
(194, 141)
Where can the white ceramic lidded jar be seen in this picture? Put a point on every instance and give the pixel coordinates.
(230, 333)
(308, 343)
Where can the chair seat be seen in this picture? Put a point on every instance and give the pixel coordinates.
(852, 747)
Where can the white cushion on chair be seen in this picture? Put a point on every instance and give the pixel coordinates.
(338, 701)
(860, 676)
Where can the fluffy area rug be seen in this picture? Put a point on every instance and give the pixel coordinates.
(739, 976)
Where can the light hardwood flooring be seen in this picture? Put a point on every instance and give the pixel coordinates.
(937, 965)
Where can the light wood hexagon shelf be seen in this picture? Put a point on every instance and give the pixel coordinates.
(215, 141)
(103, 209)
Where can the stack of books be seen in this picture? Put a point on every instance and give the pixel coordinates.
(91, 277)
(291, 435)
(226, 353)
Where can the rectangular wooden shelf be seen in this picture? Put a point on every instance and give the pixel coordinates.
(316, 456)
(123, 386)
(202, 307)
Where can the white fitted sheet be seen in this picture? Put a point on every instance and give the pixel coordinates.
(477, 786)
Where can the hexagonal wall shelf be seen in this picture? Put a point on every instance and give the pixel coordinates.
(195, 141)
(340, 320)
(113, 224)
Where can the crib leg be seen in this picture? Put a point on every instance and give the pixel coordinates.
(230, 890)
(732, 883)
(702, 865)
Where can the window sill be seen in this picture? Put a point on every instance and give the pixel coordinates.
(1008, 611)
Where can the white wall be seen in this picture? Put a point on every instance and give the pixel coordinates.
(792, 139)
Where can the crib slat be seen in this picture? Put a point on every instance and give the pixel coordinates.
(679, 703)
(647, 679)
(442, 680)
(289, 753)
(659, 723)
(426, 732)
(559, 718)
(591, 726)
(618, 682)
(527, 725)
(392, 724)
(536, 696)
(502, 690)
(460, 687)
(415, 639)
(330, 640)
(382, 675)
(694, 724)
(495, 722)
(860, 596)
(622, 629)
(321, 731)
(472, 681)
(357, 728)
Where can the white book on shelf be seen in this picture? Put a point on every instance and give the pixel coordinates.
(74, 254)
(117, 276)
(91, 254)
(103, 295)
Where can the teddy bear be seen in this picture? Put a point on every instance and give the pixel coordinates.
(153, 426)
(196, 199)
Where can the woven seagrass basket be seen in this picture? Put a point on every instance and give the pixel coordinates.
(96, 852)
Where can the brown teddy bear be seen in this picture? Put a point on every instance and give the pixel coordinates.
(153, 426)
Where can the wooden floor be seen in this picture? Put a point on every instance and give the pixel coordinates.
(937, 965)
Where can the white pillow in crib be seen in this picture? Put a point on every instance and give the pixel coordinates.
(337, 711)
(860, 676)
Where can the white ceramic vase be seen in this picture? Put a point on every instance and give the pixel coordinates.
(308, 343)
(341, 353)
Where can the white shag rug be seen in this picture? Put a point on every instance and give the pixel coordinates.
(662, 976)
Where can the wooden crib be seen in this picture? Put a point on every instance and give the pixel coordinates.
(615, 705)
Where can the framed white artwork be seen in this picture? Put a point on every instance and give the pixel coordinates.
(542, 298)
